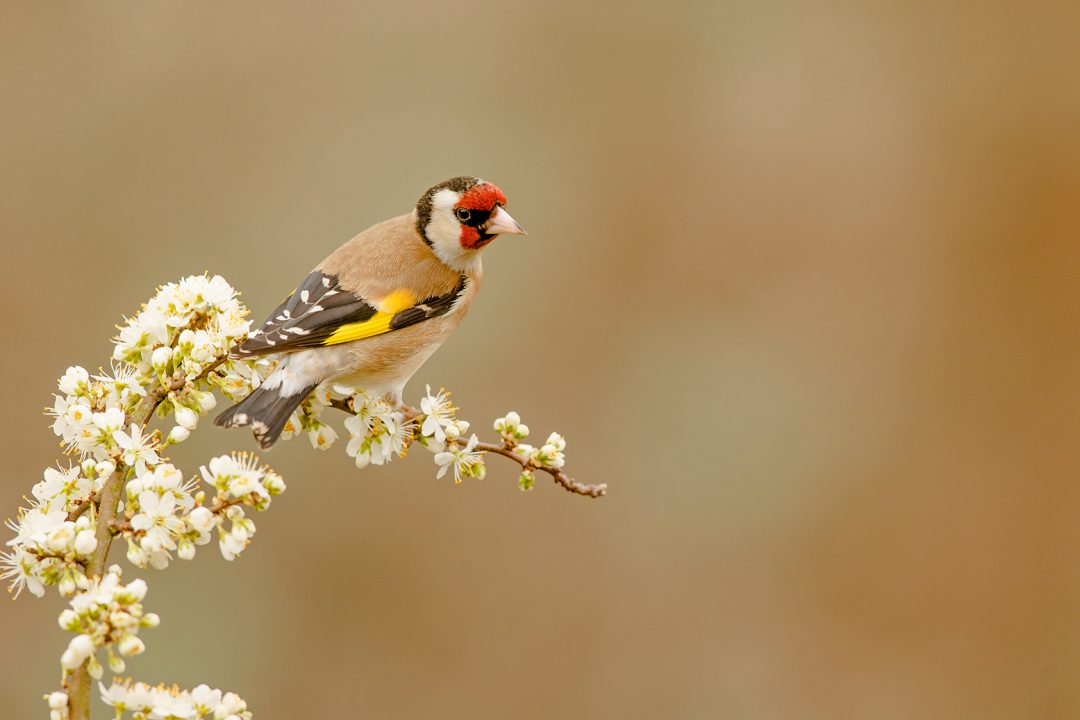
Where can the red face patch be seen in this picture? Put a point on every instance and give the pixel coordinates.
(471, 238)
(482, 197)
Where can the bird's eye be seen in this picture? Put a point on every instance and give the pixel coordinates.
(463, 214)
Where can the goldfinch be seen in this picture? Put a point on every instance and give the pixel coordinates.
(372, 312)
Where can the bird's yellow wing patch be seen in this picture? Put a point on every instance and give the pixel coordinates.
(377, 324)
(396, 301)
(321, 313)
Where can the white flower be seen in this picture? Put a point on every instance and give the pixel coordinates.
(138, 449)
(322, 437)
(20, 568)
(205, 699)
(75, 381)
(395, 432)
(36, 524)
(157, 518)
(115, 695)
(464, 460)
(167, 705)
(108, 421)
(439, 414)
(138, 697)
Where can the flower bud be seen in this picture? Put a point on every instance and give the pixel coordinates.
(233, 703)
(116, 663)
(150, 620)
(185, 549)
(68, 585)
(61, 537)
(274, 484)
(74, 381)
(526, 481)
(85, 542)
(179, 434)
(186, 341)
(160, 358)
(201, 519)
(186, 417)
(137, 589)
(240, 533)
(205, 400)
(136, 555)
(70, 660)
(130, 645)
(69, 620)
(57, 700)
(80, 648)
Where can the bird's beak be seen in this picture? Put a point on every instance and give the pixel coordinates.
(501, 223)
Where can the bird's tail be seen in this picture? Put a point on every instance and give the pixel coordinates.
(266, 411)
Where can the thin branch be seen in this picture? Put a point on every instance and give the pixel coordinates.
(565, 481)
(562, 479)
(81, 507)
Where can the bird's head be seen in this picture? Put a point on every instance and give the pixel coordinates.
(459, 216)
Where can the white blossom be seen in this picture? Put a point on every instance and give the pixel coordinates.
(465, 461)
(438, 412)
(75, 381)
(138, 449)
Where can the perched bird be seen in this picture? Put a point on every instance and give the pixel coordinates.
(372, 312)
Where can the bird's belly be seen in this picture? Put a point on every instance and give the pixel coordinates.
(381, 372)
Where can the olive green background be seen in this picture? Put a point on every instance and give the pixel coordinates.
(800, 284)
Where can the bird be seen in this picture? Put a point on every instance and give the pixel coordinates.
(371, 313)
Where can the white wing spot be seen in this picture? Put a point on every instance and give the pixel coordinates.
(304, 296)
(326, 282)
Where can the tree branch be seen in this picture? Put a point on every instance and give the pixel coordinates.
(79, 683)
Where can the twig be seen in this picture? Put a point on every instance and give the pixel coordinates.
(562, 479)
(565, 481)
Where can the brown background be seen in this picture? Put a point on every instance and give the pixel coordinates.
(800, 285)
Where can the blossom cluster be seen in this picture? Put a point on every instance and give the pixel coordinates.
(166, 514)
(48, 549)
(549, 456)
(185, 326)
(163, 702)
(107, 614)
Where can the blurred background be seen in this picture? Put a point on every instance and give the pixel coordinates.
(800, 286)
